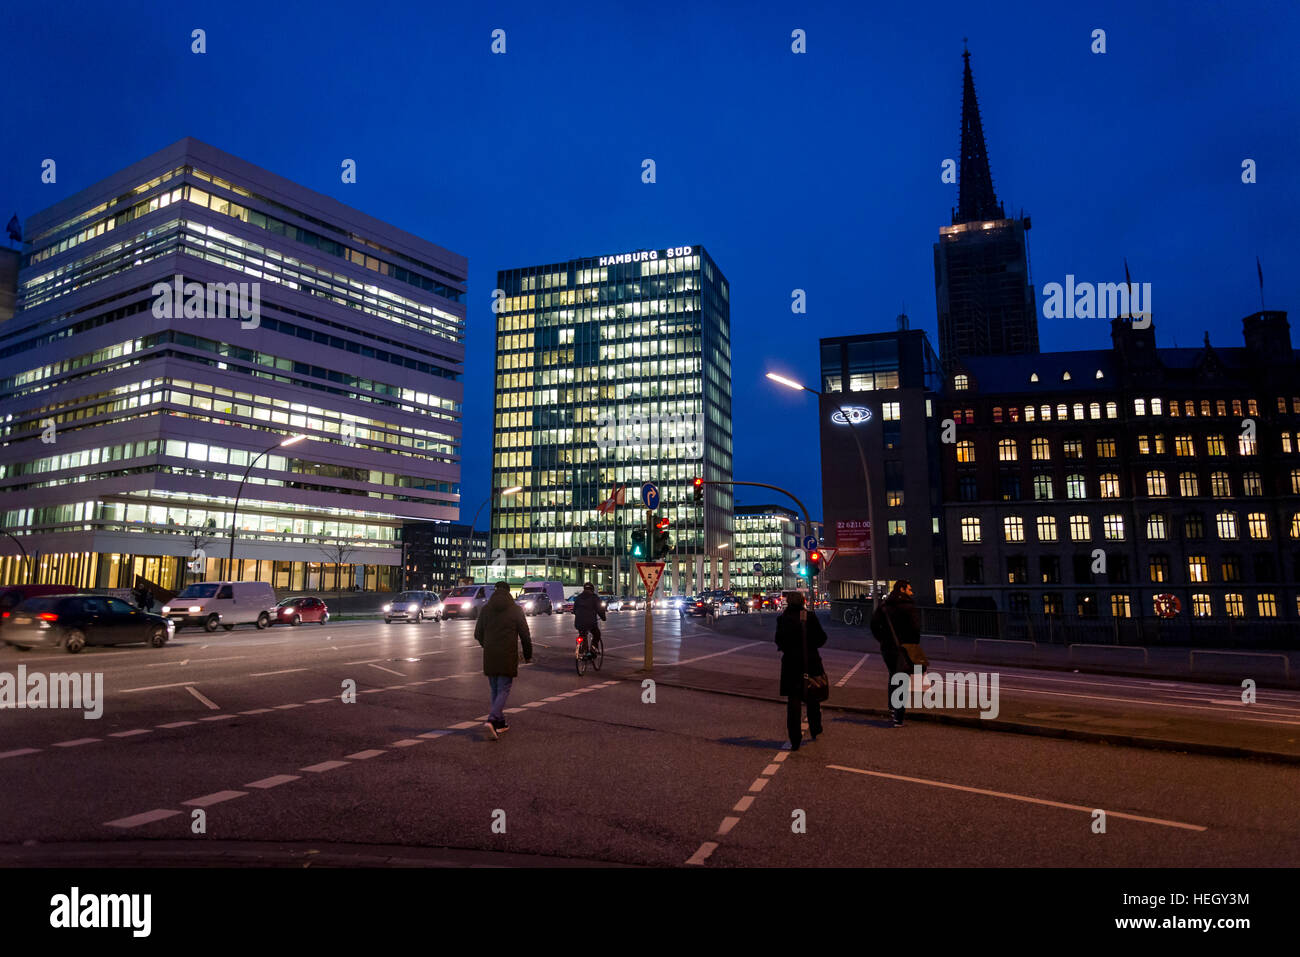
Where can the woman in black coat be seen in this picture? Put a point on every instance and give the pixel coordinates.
(790, 639)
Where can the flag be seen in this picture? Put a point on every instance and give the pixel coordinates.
(1259, 269)
(15, 229)
(615, 498)
(1128, 283)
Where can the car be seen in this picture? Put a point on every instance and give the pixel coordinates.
(728, 605)
(294, 611)
(534, 602)
(698, 607)
(414, 606)
(604, 602)
(75, 621)
(567, 607)
(222, 605)
(13, 595)
(465, 601)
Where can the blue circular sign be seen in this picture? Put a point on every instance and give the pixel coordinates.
(758, 567)
(650, 495)
(810, 543)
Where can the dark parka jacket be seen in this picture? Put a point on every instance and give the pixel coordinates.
(789, 638)
(586, 608)
(901, 611)
(501, 627)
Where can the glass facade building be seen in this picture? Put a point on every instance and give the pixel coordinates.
(768, 548)
(177, 321)
(612, 370)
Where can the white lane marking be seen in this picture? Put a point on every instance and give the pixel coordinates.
(759, 784)
(688, 661)
(849, 674)
(198, 694)
(220, 717)
(443, 731)
(743, 804)
(323, 766)
(286, 671)
(176, 684)
(216, 797)
(373, 690)
(197, 661)
(465, 724)
(74, 743)
(389, 670)
(535, 704)
(319, 700)
(771, 769)
(285, 707)
(177, 724)
(19, 753)
(1142, 701)
(148, 817)
(553, 698)
(362, 755)
(513, 710)
(780, 755)
(727, 824)
(133, 731)
(256, 711)
(702, 855)
(1018, 797)
(404, 743)
(274, 780)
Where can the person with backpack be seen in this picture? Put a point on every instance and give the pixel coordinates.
(586, 609)
(897, 623)
(798, 636)
(500, 629)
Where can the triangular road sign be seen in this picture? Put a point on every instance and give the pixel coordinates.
(650, 573)
(828, 555)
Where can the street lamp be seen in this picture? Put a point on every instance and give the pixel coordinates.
(866, 474)
(469, 537)
(234, 514)
(30, 563)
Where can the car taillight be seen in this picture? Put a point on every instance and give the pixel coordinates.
(46, 616)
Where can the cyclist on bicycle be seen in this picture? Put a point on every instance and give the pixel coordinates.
(586, 609)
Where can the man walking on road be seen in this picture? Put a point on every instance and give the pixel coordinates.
(895, 623)
(500, 629)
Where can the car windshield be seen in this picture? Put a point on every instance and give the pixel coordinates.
(465, 591)
(409, 596)
(205, 590)
(289, 601)
(533, 590)
(37, 605)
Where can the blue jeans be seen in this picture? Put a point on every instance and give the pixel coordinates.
(500, 691)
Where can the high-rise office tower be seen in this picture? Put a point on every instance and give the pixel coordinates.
(194, 332)
(612, 370)
(983, 291)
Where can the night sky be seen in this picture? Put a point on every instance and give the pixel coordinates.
(818, 171)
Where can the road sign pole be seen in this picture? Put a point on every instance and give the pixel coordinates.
(649, 618)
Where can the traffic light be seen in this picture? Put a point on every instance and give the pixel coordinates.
(814, 563)
(662, 543)
(638, 544)
(699, 490)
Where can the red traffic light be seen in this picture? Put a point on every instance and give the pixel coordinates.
(663, 523)
(814, 556)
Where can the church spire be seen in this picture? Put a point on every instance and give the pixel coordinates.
(976, 200)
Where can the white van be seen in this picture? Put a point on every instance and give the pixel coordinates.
(465, 601)
(222, 605)
(552, 590)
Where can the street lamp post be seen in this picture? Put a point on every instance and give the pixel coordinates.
(469, 536)
(28, 562)
(866, 474)
(234, 514)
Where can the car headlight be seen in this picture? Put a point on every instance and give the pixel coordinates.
(166, 609)
(413, 606)
(195, 609)
(388, 608)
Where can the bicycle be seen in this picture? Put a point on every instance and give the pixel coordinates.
(589, 651)
(852, 616)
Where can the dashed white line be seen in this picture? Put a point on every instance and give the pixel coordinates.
(362, 755)
(688, 661)
(132, 732)
(702, 855)
(771, 769)
(274, 781)
(198, 694)
(405, 743)
(74, 743)
(389, 670)
(324, 766)
(148, 817)
(256, 711)
(217, 797)
(849, 674)
(727, 824)
(19, 753)
(220, 717)
(285, 707)
(286, 671)
(759, 784)
(177, 724)
(319, 700)
(465, 724)
(743, 804)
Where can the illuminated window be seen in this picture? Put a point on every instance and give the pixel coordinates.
(1201, 606)
(1295, 481)
(1120, 606)
(1030, 413)
(1215, 445)
(1072, 448)
(1040, 450)
(1113, 527)
(1252, 407)
(966, 451)
(1246, 445)
(1236, 407)
(1257, 524)
(1189, 407)
(1295, 524)
(1267, 603)
(1286, 442)
(1227, 525)
(1075, 486)
(1205, 407)
(1184, 447)
(1043, 489)
(1234, 606)
(960, 383)
(1156, 530)
(1156, 406)
(1112, 410)
(1062, 411)
(970, 529)
(1033, 377)
(1109, 485)
(1188, 485)
(1231, 568)
(1007, 450)
(1221, 407)
(1158, 567)
(1099, 375)
(1013, 528)
(1065, 377)
(1220, 485)
(1107, 449)
(1080, 528)
(1156, 483)
(1198, 568)
(1047, 527)
(889, 411)
(997, 414)
(1139, 406)
(1045, 413)
(1094, 410)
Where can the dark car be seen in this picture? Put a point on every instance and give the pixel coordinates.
(75, 621)
(699, 606)
(294, 611)
(535, 603)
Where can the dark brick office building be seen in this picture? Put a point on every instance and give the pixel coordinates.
(1175, 470)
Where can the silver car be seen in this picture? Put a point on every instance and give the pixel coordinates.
(413, 606)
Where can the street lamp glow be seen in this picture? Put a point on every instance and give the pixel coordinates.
(512, 489)
(724, 545)
(790, 383)
(292, 439)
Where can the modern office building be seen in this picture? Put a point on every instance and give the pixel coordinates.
(439, 554)
(884, 387)
(613, 370)
(194, 320)
(1085, 484)
(10, 260)
(767, 543)
(983, 290)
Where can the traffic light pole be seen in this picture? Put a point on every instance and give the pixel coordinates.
(649, 618)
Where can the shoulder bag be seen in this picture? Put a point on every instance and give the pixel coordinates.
(815, 687)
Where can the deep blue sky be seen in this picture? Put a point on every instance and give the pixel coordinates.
(817, 171)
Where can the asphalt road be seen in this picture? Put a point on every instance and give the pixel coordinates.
(249, 727)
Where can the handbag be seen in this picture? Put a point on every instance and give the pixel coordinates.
(815, 687)
(912, 651)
